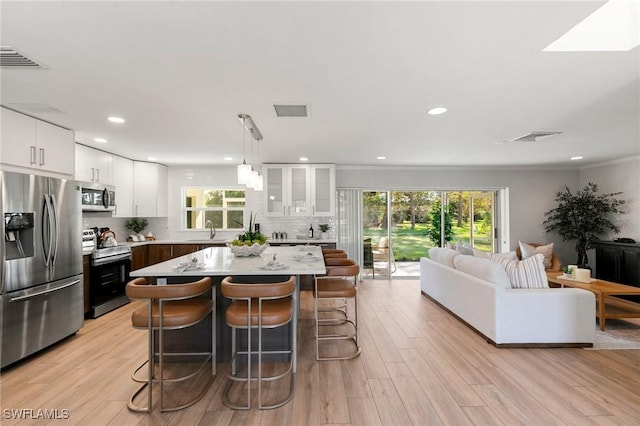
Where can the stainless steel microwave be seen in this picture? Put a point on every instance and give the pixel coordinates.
(98, 197)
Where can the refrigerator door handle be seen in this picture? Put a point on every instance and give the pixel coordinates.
(48, 217)
(43, 292)
(56, 230)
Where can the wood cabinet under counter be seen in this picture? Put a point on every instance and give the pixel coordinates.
(139, 257)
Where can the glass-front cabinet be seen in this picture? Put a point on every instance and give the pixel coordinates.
(299, 189)
(323, 189)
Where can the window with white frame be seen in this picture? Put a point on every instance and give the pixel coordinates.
(224, 207)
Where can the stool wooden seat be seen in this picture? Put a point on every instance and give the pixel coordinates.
(339, 283)
(169, 307)
(258, 306)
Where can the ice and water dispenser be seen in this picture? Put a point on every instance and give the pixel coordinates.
(18, 235)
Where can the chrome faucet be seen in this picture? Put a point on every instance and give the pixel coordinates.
(212, 230)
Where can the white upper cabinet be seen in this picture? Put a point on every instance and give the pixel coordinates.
(150, 186)
(299, 189)
(35, 144)
(323, 189)
(123, 181)
(93, 165)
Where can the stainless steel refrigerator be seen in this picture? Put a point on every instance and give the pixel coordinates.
(41, 291)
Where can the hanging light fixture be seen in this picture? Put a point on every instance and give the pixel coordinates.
(253, 178)
(244, 169)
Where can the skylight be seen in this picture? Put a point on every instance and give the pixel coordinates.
(613, 27)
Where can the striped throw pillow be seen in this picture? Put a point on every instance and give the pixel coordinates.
(528, 273)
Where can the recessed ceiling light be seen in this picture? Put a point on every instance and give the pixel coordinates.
(114, 119)
(437, 111)
(381, 157)
(228, 159)
(304, 159)
(100, 140)
(579, 157)
(152, 158)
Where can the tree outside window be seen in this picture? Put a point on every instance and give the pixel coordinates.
(222, 206)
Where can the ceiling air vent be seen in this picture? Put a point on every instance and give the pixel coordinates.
(291, 110)
(534, 136)
(9, 58)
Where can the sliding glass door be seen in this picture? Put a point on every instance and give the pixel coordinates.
(399, 227)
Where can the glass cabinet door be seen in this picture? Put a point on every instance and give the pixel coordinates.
(299, 190)
(274, 190)
(323, 189)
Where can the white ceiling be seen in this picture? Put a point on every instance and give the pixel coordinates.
(180, 72)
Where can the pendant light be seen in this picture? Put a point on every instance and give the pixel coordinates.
(244, 169)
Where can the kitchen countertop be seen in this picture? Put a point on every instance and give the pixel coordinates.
(220, 261)
(295, 241)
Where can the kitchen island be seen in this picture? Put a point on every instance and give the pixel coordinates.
(220, 262)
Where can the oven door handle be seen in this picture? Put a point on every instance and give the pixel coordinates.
(111, 259)
(43, 292)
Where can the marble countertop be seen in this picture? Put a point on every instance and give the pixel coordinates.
(220, 261)
(224, 241)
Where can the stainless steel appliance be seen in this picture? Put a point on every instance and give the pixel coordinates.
(97, 197)
(41, 296)
(109, 272)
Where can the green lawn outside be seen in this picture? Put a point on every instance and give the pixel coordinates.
(412, 244)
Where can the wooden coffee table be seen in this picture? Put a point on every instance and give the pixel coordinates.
(607, 306)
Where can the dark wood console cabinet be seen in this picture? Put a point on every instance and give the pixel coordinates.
(618, 262)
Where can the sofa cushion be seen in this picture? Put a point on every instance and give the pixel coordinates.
(464, 248)
(443, 256)
(485, 269)
(528, 250)
(528, 273)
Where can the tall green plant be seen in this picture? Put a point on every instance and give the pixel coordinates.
(582, 217)
(435, 229)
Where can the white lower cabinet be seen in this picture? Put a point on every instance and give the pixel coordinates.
(150, 181)
(123, 181)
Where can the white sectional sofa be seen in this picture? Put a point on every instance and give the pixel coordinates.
(478, 291)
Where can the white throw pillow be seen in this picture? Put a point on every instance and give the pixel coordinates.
(485, 269)
(528, 250)
(528, 273)
(443, 256)
(511, 255)
(464, 248)
(484, 254)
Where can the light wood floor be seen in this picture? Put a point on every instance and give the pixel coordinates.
(418, 366)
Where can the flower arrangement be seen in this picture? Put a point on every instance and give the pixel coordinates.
(249, 237)
(250, 242)
(324, 227)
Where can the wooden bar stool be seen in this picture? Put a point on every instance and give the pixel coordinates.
(339, 283)
(258, 306)
(169, 307)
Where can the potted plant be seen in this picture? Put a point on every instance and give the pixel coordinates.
(566, 271)
(582, 217)
(250, 242)
(137, 225)
(324, 228)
